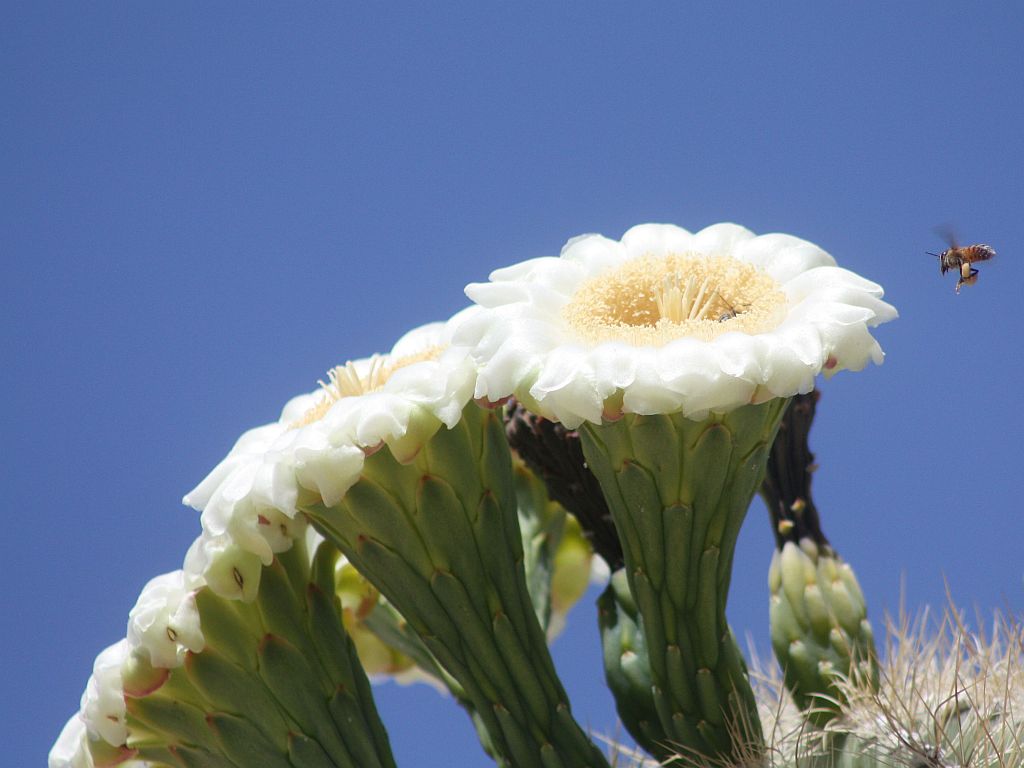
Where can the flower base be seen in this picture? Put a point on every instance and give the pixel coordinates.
(679, 491)
(439, 537)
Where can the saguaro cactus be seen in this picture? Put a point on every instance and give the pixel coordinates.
(428, 512)
(460, 583)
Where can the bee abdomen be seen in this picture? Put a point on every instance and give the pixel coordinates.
(979, 252)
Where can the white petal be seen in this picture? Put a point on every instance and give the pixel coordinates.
(103, 708)
(71, 749)
(568, 386)
(251, 443)
(524, 346)
(782, 256)
(614, 366)
(824, 278)
(329, 471)
(592, 253)
(420, 339)
(520, 271)
(299, 405)
(720, 239)
(656, 239)
(164, 623)
(794, 355)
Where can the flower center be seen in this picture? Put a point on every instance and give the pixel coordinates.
(347, 380)
(652, 300)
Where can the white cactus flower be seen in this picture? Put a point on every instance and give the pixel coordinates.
(164, 624)
(666, 321)
(162, 627)
(253, 482)
(71, 750)
(315, 451)
(401, 401)
(102, 707)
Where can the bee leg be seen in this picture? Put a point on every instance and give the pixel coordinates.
(968, 276)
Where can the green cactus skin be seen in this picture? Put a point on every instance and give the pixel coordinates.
(439, 537)
(627, 668)
(819, 627)
(679, 490)
(277, 684)
(541, 523)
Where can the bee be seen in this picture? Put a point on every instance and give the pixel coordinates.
(729, 312)
(961, 259)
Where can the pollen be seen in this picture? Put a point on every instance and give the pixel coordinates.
(349, 381)
(652, 300)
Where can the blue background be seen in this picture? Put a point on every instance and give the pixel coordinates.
(205, 206)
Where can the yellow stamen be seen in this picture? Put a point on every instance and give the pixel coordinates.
(681, 299)
(652, 300)
(346, 381)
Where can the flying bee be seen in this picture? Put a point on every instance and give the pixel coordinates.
(961, 259)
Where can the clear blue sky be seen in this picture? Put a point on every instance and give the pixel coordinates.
(203, 208)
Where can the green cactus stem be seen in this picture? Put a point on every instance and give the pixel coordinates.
(627, 668)
(679, 490)
(439, 537)
(391, 629)
(555, 455)
(541, 523)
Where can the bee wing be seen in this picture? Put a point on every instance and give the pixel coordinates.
(945, 231)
